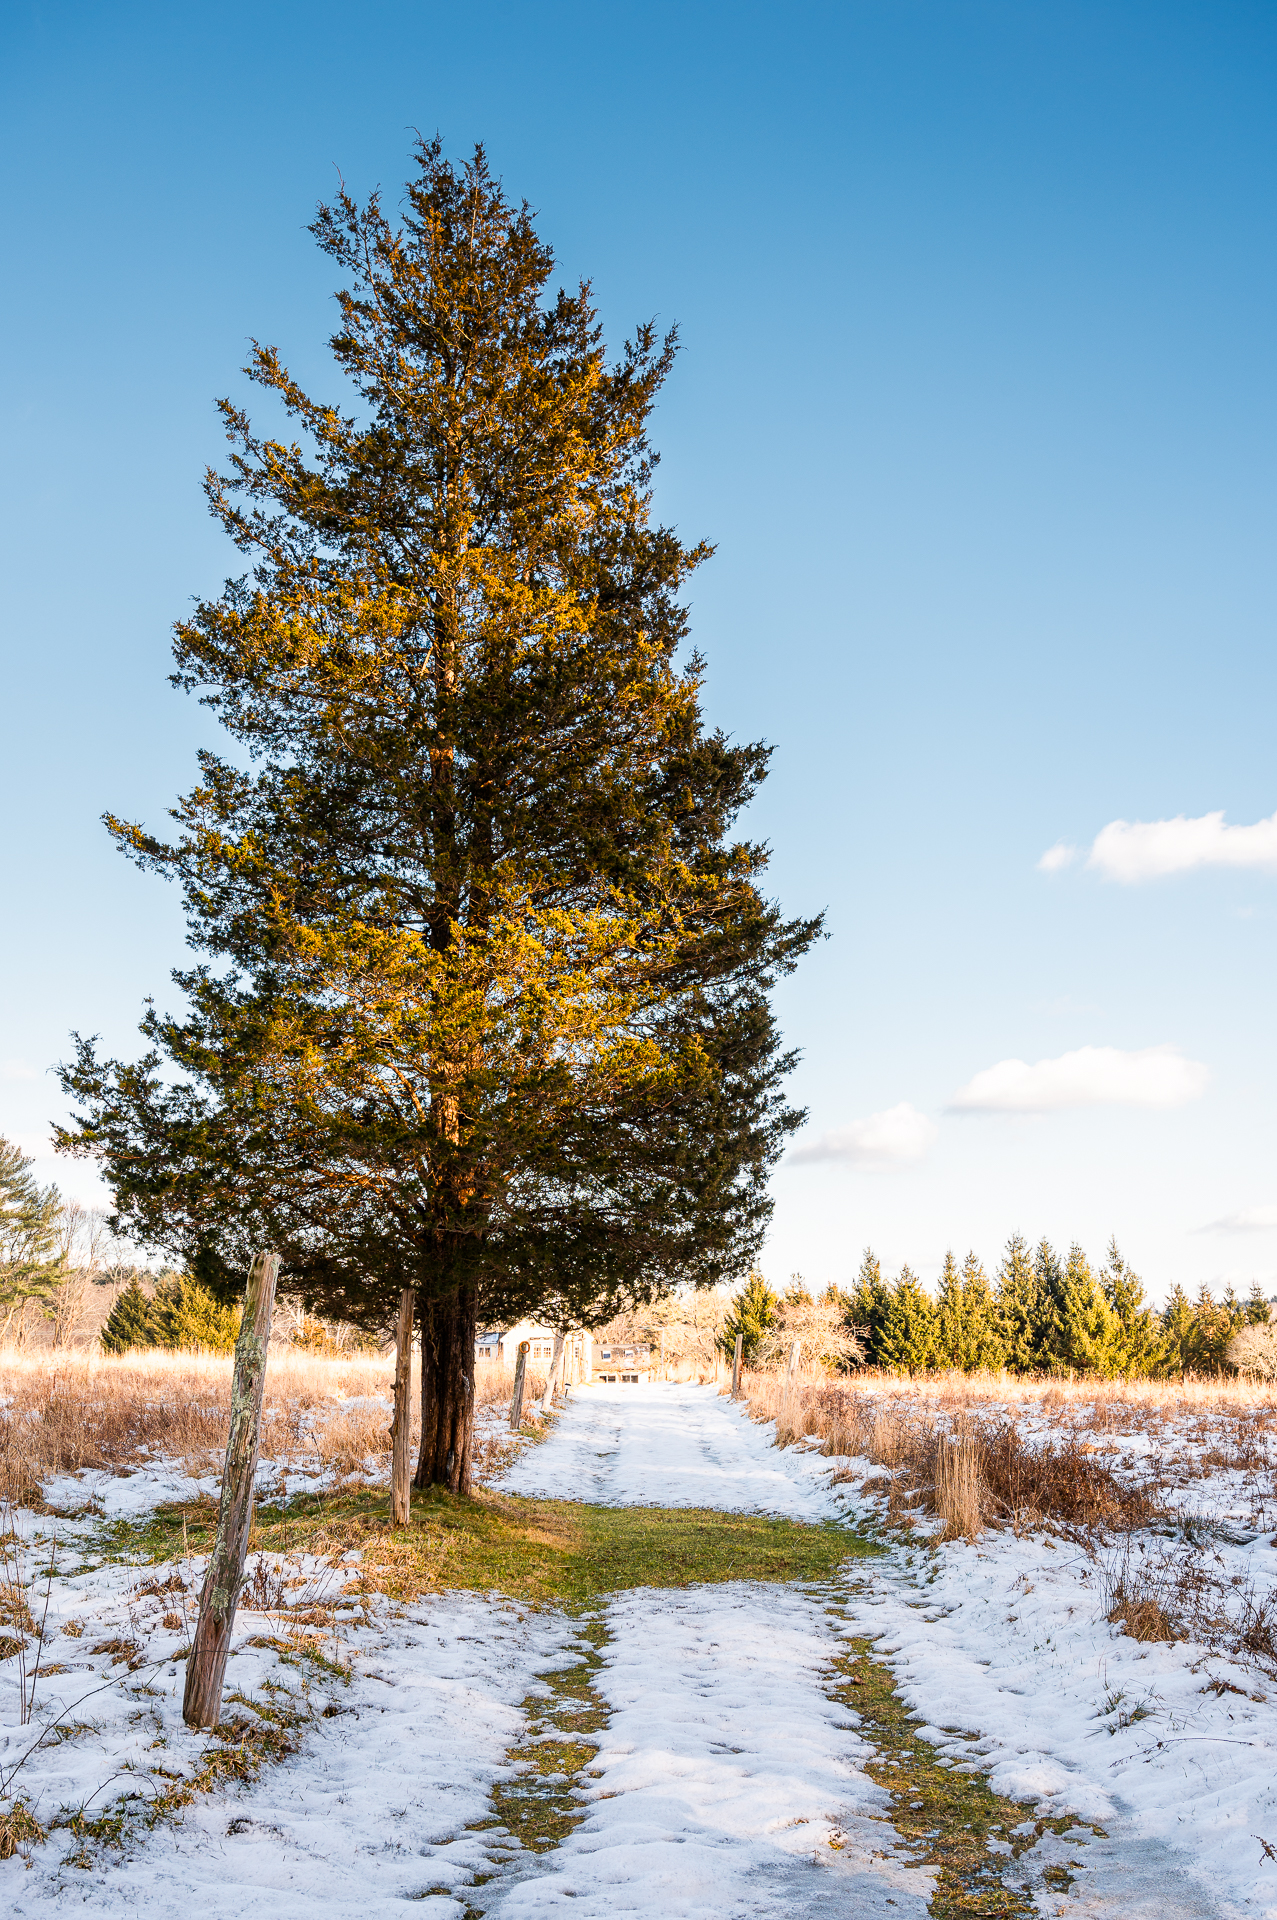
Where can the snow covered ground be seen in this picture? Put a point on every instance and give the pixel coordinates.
(724, 1770)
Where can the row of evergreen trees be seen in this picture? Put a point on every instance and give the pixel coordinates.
(1039, 1314)
(182, 1316)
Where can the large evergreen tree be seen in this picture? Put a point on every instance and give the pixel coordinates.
(752, 1315)
(866, 1308)
(908, 1340)
(1019, 1307)
(484, 1006)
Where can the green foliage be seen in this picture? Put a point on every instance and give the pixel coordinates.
(1144, 1348)
(967, 1330)
(129, 1323)
(908, 1341)
(1044, 1316)
(753, 1315)
(187, 1318)
(30, 1217)
(483, 1005)
(867, 1307)
(183, 1317)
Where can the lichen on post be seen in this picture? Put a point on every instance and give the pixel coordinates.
(206, 1666)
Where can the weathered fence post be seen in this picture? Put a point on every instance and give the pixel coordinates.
(740, 1341)
(401, 1419)
(206, 1664)
(547, 1399)
(795, 1353)
(516, 1398)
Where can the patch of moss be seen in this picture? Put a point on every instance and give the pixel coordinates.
(947, 1815)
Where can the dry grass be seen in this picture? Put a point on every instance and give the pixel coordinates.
(972, 1469)
(61, 1413)
(1182, 1591)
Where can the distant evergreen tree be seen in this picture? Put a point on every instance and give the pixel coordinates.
(1090, 1337)
(984, 1347)
(129, 1323)
(867, 1308)
(950, 1344)
(1143, 1344)
(1177, 1328)
(1258, 1310)
(752, 1315)
(1018, 1310)
(187, 1318)
(908, 1341)
(1049, 1345)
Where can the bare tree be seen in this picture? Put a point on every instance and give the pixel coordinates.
(82, 1245)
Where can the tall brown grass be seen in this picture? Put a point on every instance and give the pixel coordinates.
(62, 1413)
(953, 1455)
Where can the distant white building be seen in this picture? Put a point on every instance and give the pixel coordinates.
(499, 1346)
(623, 1366)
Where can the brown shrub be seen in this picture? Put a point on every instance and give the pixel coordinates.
(1143, 1619)
(971, 1471)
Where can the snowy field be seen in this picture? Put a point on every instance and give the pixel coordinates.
(728, 1782)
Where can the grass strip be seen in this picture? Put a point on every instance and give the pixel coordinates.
(548, 1551)
(947, 1815)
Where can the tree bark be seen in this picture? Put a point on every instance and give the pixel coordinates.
(448, 1328)
(206, 1665)
(520, 1376)
(401, 1421)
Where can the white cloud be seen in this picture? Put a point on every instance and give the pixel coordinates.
(1135, 850)
(1087, 1077)
(1251, 1220)
(1060, 855)
(883, 1139)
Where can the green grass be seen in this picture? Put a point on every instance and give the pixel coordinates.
(554, 1551)
(945, 1815)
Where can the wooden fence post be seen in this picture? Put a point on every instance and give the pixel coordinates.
(795, 1354)
(547, 1400)
(206, 1663)
(516, 1398)
(740, 1341)
(401, 1419)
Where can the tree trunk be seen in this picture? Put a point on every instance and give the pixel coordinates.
(401, 1422)
(206, 1665)
(448, 1328)
(547, 1399)
(516, 1397)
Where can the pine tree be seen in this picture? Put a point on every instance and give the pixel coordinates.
(1177, 1327)
(29, 1222)
(129, 1323)
(1143, 1346)
(752, 1315)
(484, 1011)
(1091, 1334)
(950, 1327)
(188, 1319)
(983, 1343)
(1019, 1308)
(908, 1339)
(866, 1308)
(1258, 1309)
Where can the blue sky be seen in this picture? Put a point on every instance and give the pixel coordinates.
(977, 400)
